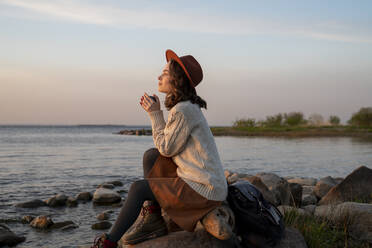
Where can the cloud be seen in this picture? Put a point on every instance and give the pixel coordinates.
(114, 16)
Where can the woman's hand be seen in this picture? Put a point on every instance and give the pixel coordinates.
(149, 104)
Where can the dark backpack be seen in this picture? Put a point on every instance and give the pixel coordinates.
(258, 222)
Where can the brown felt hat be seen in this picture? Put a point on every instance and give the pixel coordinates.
(189, 64)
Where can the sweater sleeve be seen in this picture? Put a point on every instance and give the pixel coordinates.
(171, 137)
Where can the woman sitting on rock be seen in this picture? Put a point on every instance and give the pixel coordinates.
(183, 175)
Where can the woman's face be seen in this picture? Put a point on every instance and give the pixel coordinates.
(164, 85)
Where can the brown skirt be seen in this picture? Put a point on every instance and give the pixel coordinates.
(182, 204)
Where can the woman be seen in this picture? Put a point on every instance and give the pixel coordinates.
(183, 174)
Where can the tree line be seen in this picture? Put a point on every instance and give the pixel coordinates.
(362, 118)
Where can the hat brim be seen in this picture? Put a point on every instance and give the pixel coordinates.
(169, 54)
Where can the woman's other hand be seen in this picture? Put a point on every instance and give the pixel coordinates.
(149, 104)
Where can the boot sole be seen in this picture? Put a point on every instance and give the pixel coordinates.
(148, 236)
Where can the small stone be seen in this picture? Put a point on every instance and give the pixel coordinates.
(103, 216)
(31, 204)
(102, 196)
(71, 202)
(116, 183)
(106, 186)
(41, 222)
(68, 227)
(58, 225)
(27, 219)
(84, 196)
(101, 225)
(57, 201)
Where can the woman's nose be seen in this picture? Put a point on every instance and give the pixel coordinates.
(159, 77)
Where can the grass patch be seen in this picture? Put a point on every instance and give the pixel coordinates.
(319, 232)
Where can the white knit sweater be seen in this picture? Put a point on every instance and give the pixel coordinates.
(187, 138)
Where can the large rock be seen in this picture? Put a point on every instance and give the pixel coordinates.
(103, 196)
(323, 186)
(267, 194)
(304, 181)
(278, 186)
(182, 239)
(8, 238)
(296, 194)
(31, 204)
(292, 239)
(356, 186)
(284, 209)
(41, 222)
(220, 222)
(201, 239)
(309, 200)
(306, 190)
(357, 215)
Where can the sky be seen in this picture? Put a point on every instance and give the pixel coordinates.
(89, 62)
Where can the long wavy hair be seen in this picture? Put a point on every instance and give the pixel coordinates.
(181, 89)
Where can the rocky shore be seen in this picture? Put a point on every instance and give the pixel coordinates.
(331, 198)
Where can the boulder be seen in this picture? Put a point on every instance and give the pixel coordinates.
(104, 196)
(310, 209)
(267, 194)
(292, 239)
(101, 225)
(8, 238)
(283, 209)
(41, 222)
(296, 194)
(182, 239)
(307, 190)
(31, 204)
(358, 217)
(304, 181)
(84, 196)
(220, 222)
(309, 200)
(356, 186)
(323, 186)
(278, 186)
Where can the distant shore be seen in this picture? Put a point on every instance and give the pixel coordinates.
(297, 131)
(281, 131)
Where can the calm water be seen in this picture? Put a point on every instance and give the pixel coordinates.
(37, 162)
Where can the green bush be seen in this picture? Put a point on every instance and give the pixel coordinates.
(249, 122)
(362, 118)
(334, 120)
(294, 118)
(274, 121)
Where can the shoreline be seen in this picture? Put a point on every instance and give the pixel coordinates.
(282, 131)
(297, 131)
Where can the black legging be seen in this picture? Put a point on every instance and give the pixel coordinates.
(138, 193)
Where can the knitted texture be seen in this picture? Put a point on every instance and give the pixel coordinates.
(187, 138)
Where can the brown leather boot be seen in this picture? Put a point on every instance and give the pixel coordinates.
(149, 226)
